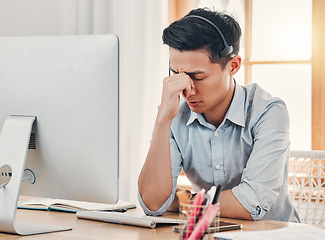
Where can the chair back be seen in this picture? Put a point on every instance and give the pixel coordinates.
(307, 185)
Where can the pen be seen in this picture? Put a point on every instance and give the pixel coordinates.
(211, 194)
(208, 199)
(204, 222)
(216, 195)
(195, 210)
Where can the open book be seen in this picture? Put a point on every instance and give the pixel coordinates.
(73, 206)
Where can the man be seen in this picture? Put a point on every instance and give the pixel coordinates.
(220, 133)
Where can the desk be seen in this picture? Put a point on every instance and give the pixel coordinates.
(93, 230)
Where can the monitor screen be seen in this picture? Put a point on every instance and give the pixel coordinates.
(70, 83)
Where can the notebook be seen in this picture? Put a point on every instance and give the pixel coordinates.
(297, 232)
(128, 219)
(72, 206)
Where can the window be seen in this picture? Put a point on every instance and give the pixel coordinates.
(279, 37)
(280, 59)
(277, 48)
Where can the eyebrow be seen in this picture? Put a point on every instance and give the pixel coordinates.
(188, 73)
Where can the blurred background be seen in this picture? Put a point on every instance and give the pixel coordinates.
(281, 47)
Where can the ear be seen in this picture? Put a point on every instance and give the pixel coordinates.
(235, 64)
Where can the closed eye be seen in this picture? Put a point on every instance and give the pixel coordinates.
(196, 78)
(192, 75)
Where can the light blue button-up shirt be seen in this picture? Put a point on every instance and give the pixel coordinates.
(248, 153)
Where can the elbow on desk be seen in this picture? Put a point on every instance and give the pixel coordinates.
(154, 201)
(154, 204)
(230, 207)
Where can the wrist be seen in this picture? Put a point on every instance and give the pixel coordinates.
(163, 118)
(163, 121)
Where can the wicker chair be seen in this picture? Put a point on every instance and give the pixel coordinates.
(307, 185)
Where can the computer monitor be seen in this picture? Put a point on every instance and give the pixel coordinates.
(63, 91)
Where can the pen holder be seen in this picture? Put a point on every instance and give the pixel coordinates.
(201, 220)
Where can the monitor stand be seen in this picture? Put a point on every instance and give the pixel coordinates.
(14, 141)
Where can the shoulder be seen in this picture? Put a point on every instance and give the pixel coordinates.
(259, 102)
(260, 97)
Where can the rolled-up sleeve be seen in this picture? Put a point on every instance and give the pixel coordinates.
(176, 170)
(264, 174)
(161, 210)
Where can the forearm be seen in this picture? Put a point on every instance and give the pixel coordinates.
(230, 206)
(155, 180)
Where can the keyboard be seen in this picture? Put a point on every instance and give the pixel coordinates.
(128, 219)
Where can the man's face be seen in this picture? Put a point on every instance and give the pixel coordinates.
(213, 87)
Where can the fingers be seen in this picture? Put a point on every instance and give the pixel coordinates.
(178, 84)
(173, 86)
(189, 91)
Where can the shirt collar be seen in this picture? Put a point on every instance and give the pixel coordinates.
(235, 113)
(199, 117)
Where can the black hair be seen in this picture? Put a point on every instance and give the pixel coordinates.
(190, 34)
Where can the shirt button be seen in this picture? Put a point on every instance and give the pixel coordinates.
(215, 133)
(218, 166)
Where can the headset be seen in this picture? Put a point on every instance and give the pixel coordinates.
(228, 48)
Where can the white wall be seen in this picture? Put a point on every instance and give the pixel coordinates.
(143, 59)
